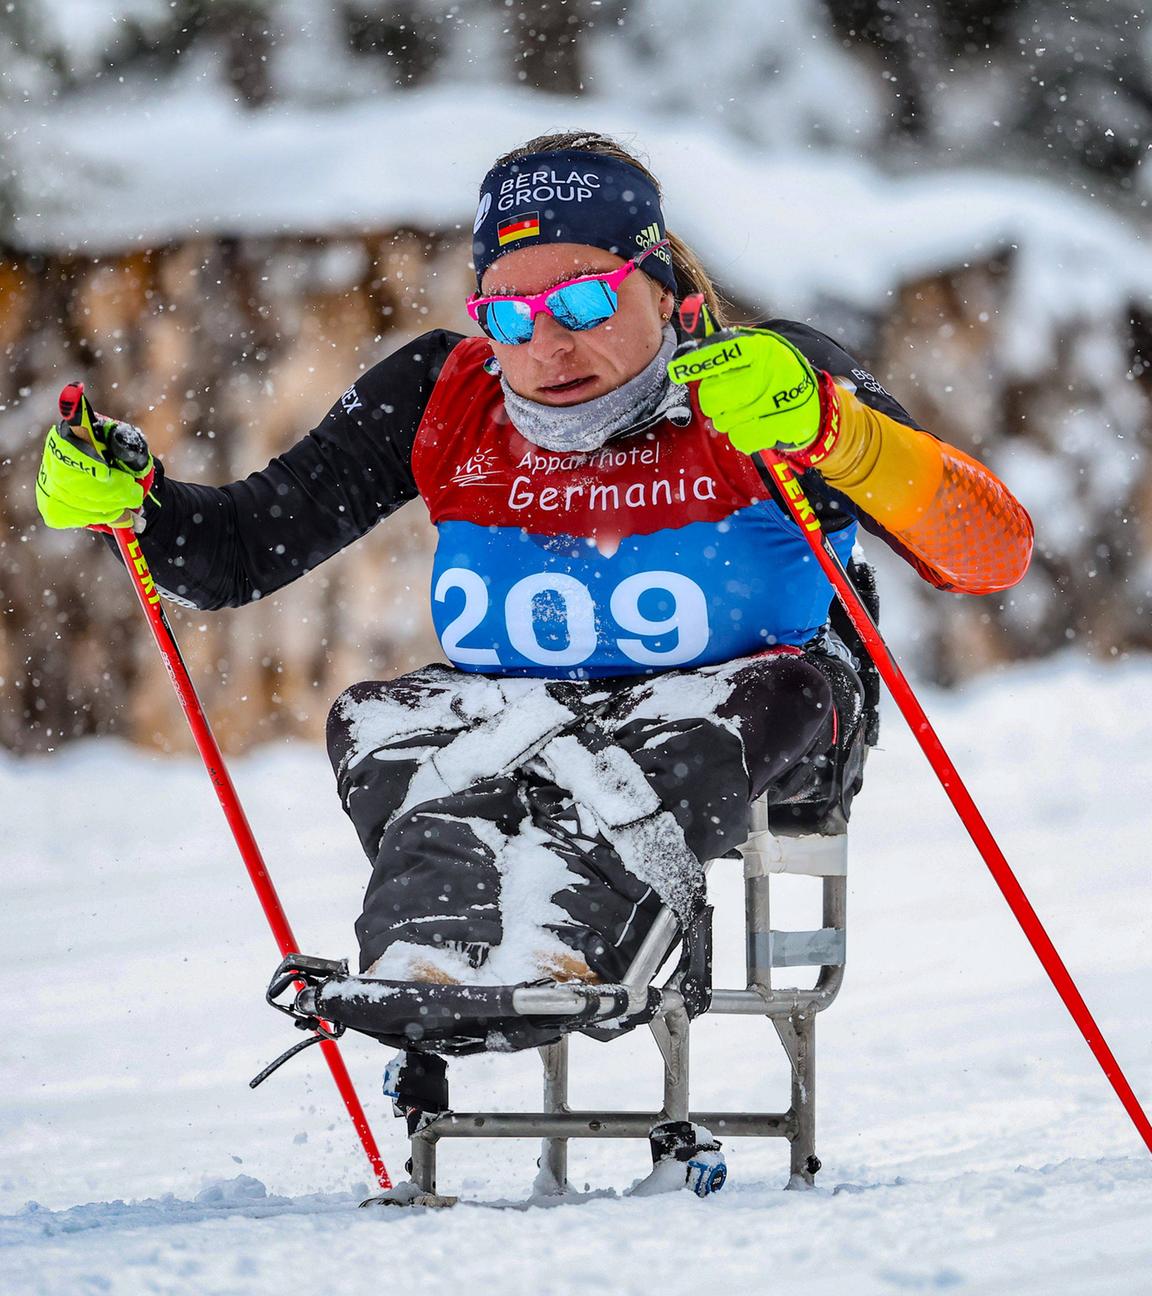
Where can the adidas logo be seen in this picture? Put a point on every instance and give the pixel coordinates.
(651, 234)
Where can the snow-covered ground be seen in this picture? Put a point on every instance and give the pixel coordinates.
(969, 1141)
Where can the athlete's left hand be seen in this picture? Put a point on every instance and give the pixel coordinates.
(759, 390)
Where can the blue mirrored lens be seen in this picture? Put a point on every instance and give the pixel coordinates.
(583, 305)
(506, 321)
(576, 306)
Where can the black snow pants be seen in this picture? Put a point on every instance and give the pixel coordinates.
(504, 817)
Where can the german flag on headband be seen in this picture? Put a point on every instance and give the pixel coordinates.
(518, 227)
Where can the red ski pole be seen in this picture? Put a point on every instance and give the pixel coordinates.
(805, 518)
(77, 413)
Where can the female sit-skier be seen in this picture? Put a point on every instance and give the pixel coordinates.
(637, 634)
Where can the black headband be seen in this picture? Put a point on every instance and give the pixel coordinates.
(570, 196)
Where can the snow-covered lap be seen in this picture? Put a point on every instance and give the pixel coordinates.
(969, 1141)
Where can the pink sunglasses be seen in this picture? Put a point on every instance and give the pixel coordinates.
(576, 304)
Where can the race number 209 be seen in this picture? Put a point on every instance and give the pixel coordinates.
(550, 619)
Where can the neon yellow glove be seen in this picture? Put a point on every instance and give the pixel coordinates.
(759, 390)
(75, 487)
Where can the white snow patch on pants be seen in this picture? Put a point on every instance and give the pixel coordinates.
(531, 874)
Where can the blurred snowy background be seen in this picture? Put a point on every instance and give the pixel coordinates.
(217, 214)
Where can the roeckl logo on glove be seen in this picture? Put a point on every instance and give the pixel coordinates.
(683, 370)
(83, 463)
(792, 395)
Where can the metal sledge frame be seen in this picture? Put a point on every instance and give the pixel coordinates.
(791, 1011)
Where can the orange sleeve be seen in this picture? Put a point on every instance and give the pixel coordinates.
(957, 523)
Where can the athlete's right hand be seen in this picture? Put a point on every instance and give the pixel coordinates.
(78, 485)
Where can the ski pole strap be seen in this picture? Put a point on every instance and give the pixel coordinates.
(318, 1038)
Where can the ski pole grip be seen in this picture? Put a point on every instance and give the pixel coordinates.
(122, 445)
(77, 415)
(76, 420)
(697, 325)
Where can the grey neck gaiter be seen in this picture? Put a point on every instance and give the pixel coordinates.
(572, 429)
